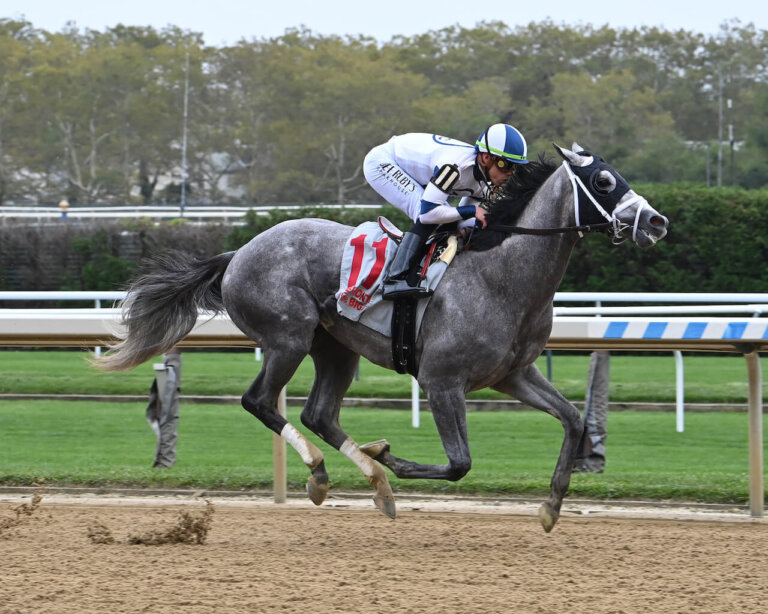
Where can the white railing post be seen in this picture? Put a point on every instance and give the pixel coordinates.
(415, 415)
(756, 486)
(679, 391)
(97, 350)
(280, 478)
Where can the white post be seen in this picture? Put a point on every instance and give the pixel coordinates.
(280, 480)
(415, 418)
(756, 486)
(97, 350)
(680, 391)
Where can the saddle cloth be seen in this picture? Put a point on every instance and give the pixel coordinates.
(364, 266)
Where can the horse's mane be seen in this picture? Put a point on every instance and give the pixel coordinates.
(517, 193)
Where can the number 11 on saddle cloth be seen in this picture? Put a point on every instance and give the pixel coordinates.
(367, 255)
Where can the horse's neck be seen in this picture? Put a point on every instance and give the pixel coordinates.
(552, 206)
(546, 257)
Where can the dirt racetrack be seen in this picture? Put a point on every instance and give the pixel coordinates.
(436, 557)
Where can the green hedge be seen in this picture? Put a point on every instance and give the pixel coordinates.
(70, 255)
(716, 243)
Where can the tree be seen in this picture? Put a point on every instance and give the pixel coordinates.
(314, 107)
(754, 155)
(98, 116)
(15, 38)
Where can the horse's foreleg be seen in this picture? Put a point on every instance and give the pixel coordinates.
(530, 387)
(335, 368)
(449, 412)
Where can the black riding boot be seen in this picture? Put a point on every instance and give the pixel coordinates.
(408, 254)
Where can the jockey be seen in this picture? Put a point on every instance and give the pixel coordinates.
(418, 172)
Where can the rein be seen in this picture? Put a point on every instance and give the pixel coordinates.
(521, 230)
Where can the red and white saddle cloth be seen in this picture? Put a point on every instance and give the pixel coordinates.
(364, 265)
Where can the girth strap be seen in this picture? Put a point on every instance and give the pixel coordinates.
(404, 336)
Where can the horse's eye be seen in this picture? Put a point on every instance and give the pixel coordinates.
(604, 182)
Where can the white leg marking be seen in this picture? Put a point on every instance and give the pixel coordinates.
(306, 449)
(352, 451)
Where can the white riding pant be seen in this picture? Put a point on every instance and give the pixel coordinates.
(395, 185)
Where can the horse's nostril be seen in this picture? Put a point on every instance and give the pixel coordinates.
(658, 220)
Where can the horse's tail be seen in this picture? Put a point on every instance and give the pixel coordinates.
(161, 306)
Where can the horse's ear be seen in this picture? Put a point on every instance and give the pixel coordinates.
(567, 154)
(577, 148)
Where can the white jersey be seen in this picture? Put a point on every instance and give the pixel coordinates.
(401, 168)
(421, 155)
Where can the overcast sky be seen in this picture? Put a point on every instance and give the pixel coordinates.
(228, 21)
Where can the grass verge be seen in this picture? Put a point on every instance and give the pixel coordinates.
(643, 378)
(514, 453)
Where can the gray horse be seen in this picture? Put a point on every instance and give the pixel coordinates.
(488, 321)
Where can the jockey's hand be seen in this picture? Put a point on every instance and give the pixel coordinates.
(480, 214)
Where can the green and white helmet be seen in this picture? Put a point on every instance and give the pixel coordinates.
(504, 141)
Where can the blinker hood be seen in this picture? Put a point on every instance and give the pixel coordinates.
(588, 175)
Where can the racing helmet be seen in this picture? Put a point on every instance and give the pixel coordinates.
(505, 142)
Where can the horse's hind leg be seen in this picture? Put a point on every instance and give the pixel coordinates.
(261, 401)
(532, 388)
(335, 366)
(449, 412)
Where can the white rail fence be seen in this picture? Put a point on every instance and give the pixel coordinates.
(157, 212)
(745, 335)
(754, 304)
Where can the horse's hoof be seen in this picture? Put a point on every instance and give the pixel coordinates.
(375, 448)
(386, 505)
(548, 516)
(317, 489)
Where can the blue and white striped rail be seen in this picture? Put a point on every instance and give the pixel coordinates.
(647, 333)
(684, 329)
(88, 327)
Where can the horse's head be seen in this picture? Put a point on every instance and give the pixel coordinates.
(601, 195)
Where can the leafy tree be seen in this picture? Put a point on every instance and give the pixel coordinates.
(612, 111)
(316, 106)
(15, 37)
(754, 155)
(97, 116)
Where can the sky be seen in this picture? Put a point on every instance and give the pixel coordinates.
(227, 21)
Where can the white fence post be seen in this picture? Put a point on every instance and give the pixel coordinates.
(280, 480)
(415, 415)
(679, 391)
(756, 486)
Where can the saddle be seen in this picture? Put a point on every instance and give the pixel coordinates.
(439, 245)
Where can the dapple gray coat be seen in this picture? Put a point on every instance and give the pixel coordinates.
(488, 321)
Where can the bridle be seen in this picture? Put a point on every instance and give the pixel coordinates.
(611, 224)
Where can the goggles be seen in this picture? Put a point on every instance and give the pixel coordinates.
(504, 164)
